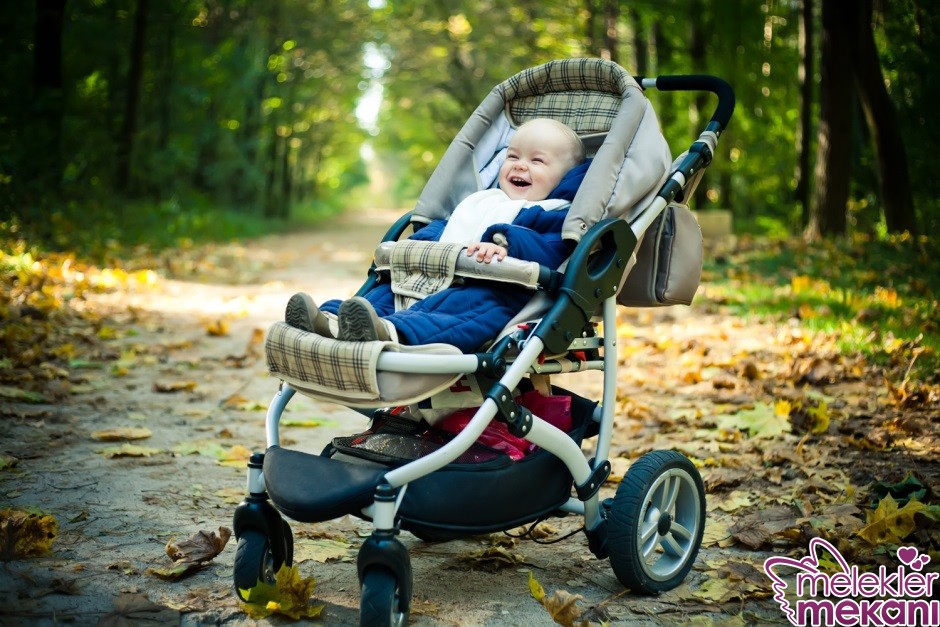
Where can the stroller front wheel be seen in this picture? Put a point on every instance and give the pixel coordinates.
(656, 522)
(380, 602)
(254, 563)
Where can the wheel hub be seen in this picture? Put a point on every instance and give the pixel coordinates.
(665, 524)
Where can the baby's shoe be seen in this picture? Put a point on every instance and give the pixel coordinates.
(358, 322)
(302, 313)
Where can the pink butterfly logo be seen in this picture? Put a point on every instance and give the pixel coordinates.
(809, 564)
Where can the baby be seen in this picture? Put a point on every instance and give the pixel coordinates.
(522, 218)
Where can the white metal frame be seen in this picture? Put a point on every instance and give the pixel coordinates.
(542, 433)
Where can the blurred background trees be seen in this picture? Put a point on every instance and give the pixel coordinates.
(143, 120)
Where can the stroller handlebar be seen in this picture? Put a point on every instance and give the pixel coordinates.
(698, 82)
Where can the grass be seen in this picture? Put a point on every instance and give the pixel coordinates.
(109, 233)
(878, 297)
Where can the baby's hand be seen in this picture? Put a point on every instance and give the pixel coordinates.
(485, 251)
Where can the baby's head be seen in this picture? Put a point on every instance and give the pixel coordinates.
(540, 153)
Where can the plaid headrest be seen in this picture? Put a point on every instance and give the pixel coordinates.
(585, 94)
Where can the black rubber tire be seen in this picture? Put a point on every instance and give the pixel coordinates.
(288, 545)
(379, 603)
(655, 523)
(254, 562)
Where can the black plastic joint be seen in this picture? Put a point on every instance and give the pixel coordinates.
(385, 493)
(517, 418)
(590, 487)
(490, 365)
(702, 149)
(597, 540)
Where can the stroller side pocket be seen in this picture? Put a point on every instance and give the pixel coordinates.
(669, 262)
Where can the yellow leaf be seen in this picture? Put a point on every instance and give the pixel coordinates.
(290, 596)
(538, 592)
(807, 312)
(25, 534)
(176, 386)
(122, 433)
(782, 408)
(217, 328)
(890, 525)
(107, 333)
(819, 416)
(800, 284)
(236, 456)
(129, 450)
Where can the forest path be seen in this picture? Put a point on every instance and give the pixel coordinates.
(203, 398)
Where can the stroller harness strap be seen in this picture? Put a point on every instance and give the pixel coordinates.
(420, 269)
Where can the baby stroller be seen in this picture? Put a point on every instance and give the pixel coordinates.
(638, 245)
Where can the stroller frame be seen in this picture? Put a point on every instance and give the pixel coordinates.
(653, 528)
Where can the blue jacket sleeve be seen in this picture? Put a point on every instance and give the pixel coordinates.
(528, 244)
(535, 235)
(430, 232)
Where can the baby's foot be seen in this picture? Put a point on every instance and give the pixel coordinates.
(358, 322)
(302, 313)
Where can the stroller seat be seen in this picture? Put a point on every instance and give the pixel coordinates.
(636, 244)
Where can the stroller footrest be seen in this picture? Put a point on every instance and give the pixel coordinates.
(340, 487)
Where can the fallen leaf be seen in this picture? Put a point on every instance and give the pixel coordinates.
(322, 550)
(494, 558)
(122, 433)
(538, 592)
(762, 421)
(217, 328)
(176, 386)
(563, 607)
(290, 596)
(26, 534)
(128, 450)
(17, 394)
(761, 528)
(890, 525)
(137, 609)
(192, 554)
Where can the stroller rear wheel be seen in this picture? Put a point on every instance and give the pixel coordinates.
(380, 603)
(656, 522)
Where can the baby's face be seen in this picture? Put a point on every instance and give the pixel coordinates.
(539, 155)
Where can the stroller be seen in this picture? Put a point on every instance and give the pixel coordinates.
(638, 245)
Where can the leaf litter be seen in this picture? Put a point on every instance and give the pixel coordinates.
(793, 438)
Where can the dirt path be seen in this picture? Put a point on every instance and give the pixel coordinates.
(203, 399)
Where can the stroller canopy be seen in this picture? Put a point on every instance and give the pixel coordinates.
(596, 98)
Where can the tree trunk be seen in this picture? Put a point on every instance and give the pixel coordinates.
(43, 171)
(697, 54)
(125, 147)
(641, 50)
(590, 29)
(833, 153)
(890, 155)
(611, 38)
(804, 130)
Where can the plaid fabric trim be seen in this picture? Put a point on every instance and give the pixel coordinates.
(419, 269)
(585, 94)
(323, 363)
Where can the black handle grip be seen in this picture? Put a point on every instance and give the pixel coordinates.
(703, 82)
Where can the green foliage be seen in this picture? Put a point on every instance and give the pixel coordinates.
(878, 295)
(251, 107)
